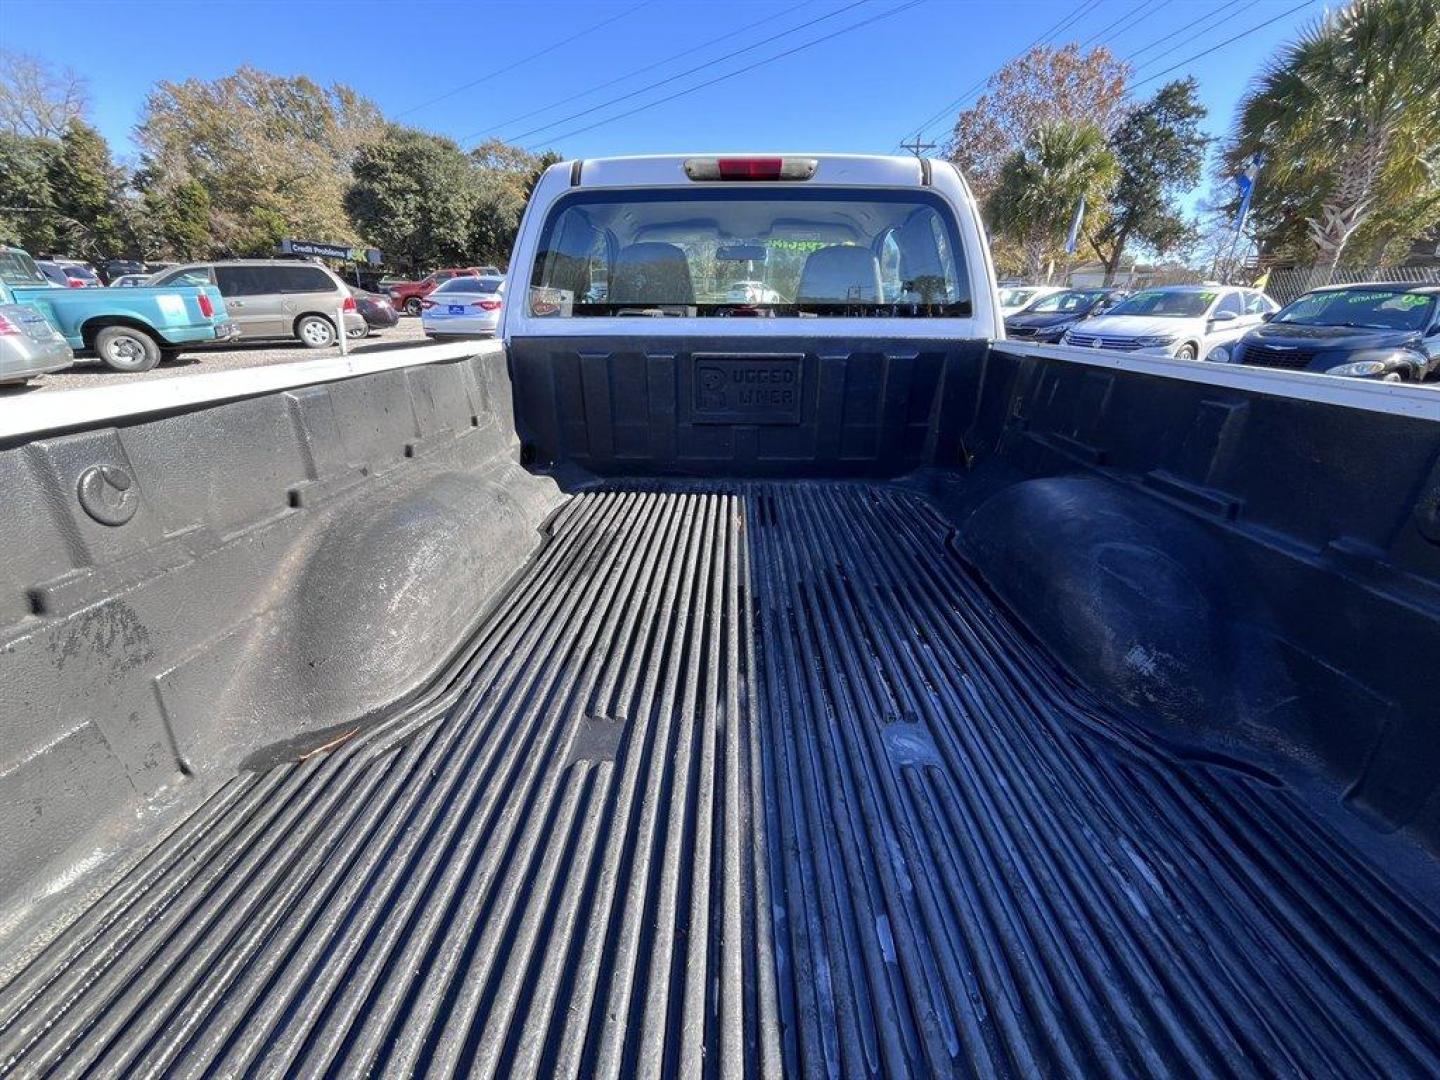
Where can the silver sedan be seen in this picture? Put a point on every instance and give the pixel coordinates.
(29, 345)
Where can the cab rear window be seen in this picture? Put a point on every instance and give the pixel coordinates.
(759, 252)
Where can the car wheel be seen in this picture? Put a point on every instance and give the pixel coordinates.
(1186, 352)
(315, 332)
(126, 349)
(412, 306)
(1392, 376)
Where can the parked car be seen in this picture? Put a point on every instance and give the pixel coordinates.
(68, 275)
(375, 309)
(113, 269)
(464, 307)
(1386, 331)
(1014, 298)
(752, 292)
(1047, 319)
(29, 345)
(129, 329)
(406, 295)
(1188, 322)
(129, 281)
(277, 298)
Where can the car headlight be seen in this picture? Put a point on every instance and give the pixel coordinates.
(1360, 368)
(1218, 355)
(1367, 363)
(1155, 341)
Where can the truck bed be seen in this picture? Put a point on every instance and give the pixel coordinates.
(750, 778)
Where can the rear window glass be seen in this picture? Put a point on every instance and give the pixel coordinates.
(196, 275)
(470, 285)
(812, 253)
(17, 268)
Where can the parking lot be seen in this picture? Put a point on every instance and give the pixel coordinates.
(89, 372)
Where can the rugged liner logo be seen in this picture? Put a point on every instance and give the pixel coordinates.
(747, 389)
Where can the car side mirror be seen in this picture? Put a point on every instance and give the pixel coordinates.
(1223, 316)
(1266, 316)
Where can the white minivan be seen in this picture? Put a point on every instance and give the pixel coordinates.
(1188, 322)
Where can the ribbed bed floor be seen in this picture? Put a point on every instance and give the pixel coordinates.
(750, 781)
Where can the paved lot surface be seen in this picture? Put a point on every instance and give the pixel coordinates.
(214, 358)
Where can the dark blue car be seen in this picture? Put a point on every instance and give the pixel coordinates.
(1386, 331)
(1048, 318)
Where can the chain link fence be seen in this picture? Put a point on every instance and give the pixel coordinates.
(1285, 285)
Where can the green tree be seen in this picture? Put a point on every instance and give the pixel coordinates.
(181, 220)
(1346, 123)
(413, 196)
(29, 220)
(1045, 86)
(88, 192)
(273, 153)
(1160, 151)
(1040, 185)
(505, 177)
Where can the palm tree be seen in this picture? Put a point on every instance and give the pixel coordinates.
(1040, 185)
(1346, 119)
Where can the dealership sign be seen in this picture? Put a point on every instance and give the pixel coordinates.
(311, 247)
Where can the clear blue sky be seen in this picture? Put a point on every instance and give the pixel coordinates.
(861, 90)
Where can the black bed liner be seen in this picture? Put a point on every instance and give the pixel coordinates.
(743, 779)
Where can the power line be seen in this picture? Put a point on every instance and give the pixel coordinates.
(1065, 21)
(1221, 45)
(525, 60)
(1108, 38)
(1109, 26)
(742, 70)
(672, 78)
(1200, 26)
(651, 67)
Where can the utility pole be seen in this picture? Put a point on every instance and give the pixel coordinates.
(917, 147)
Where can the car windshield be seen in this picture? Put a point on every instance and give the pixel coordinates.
(1166, 303)
(804, 253)
(17, 268)
(1374, 309)
(1016, 297)
(471, 285)
(1066, 303)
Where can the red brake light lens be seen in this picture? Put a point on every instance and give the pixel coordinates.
(751, 168)
(206, 307)
(427, 303)
(7, 327)
(349, 304)
(75, 282)
(488, 305)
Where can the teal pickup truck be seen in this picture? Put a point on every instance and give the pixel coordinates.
(128, 329)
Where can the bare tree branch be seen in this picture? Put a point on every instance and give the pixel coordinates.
(36, 99)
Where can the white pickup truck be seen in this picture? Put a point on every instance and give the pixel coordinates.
(800, 683)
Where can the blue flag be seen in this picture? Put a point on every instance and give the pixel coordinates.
(1072, 242)
(1245, 184)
